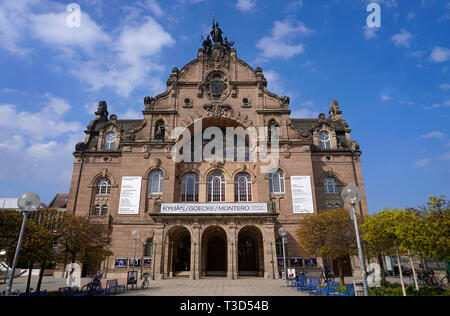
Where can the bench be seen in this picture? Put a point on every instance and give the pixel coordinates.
(68, 291)
(41, 293)
(112, 286)
(331, 288)
(91, 289)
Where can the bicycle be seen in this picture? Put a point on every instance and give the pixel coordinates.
(445, 281)
(146, 283)
(327, 276)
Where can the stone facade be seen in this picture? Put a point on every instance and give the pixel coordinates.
(218, 89)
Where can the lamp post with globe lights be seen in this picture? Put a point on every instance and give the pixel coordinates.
(351, 195)
(28, 202)
(283, 232)
(135, 234)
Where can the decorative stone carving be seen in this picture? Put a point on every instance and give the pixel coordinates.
(335, 111)
(285, 102)
(217, 164)
(217, 87)
(149, 102)
(216, 110)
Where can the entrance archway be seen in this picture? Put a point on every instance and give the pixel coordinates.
(214, 252)
(250, 252)
(179, 255)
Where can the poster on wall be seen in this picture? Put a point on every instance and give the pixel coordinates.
(137, 262)
(147, 262)
(302, 199)
(121, 262)
(130, 195)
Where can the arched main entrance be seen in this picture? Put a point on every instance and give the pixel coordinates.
(214, 252)
(179, 252)
(250, 252)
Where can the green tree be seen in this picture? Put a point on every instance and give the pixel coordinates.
(329, 234)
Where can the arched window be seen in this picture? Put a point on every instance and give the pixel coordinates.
(242, 188)
(148, 248)
(331, 186)
(189, 188)
(276, 182)
(324, 139)
(104, 210)
(104, 187)
(216, 188)
(156, 182)
(110, 141)
(96, 210)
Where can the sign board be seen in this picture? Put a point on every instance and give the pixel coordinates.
(291, 274)
(213, 208)
(388, 263)
(130, 195)
(132, 277)
(302, 199)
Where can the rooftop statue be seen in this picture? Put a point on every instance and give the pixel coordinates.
(219, 42)
(216, 33)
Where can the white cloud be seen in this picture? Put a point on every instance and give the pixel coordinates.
(245, 5)
(435, 134)
(426, 161)
(279, 43)
(402, 39)
(38, 126)
(445, 86)
(38, 146)
(440, 54)
(370, 32)
(444, 104)
(123, 60)
(385, 97)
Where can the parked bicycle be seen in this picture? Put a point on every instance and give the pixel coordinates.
(327, 276)
(426, 278)
(146, 283)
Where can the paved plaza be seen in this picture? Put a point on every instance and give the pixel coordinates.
(186, 287)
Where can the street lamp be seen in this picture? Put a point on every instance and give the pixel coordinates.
(144, 245)
(283, 232)
(351, 195)
(271, 250)
(135, 234)
(28, 202)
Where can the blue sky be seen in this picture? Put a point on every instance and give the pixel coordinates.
(393, 82)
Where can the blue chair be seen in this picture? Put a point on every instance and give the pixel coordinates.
(302, 280)
(331, 289)
(314, 284)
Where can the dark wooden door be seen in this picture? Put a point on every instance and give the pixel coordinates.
(247, 259)
(217, 254)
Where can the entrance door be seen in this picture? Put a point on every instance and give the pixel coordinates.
(182, 255)
(216, 260)
(346, 267)
(248, 260)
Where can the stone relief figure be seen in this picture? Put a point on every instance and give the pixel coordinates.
(160, 132)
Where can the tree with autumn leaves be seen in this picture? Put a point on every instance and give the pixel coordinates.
(54, 236)
(329, 234)
(422, 232)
